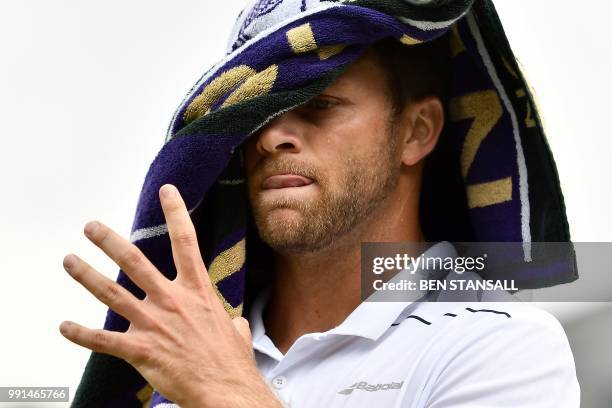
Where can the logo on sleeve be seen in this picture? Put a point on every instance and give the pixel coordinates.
(363, 385)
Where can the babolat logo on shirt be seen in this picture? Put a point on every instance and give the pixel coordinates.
(363, 385)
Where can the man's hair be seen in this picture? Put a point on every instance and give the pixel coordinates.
(414, 71)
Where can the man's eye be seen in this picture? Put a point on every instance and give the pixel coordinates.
(322, 103)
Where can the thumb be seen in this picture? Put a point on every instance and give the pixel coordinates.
(242, 325)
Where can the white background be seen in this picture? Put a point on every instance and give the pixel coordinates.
(87, 90)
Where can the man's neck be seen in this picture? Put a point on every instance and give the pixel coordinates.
(315, 292)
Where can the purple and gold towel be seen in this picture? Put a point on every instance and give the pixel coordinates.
(492, 178)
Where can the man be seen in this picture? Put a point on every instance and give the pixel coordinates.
(341, 166)
(345, 169)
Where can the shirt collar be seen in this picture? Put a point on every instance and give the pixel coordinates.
(371, 319)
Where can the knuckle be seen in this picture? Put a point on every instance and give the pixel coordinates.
(171, 304)
(102, 234)
(186, 239)
(207, 305)
(99, 340)
(142, 352)
(173, 205)
(109, 294)
(130, 258)
(78, 272)
(149, 322)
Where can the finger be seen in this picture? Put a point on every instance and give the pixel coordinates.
(185, 251)
(107, 291)
(242, 326)
(101, 341)
(129, 258)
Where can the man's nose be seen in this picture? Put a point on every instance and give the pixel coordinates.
(283, 134)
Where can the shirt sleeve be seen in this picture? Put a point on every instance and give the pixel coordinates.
(498, 361)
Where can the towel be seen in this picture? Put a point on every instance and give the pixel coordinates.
(492, 177)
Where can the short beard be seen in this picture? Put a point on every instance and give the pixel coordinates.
(338, 210)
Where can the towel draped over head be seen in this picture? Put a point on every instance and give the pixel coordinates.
(492, 177)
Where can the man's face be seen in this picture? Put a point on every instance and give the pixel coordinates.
(317, 172)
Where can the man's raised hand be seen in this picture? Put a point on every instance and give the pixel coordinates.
(181, 339)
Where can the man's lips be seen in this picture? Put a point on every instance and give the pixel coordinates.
(285, 180)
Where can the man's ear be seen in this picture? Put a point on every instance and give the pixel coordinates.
(421, 123)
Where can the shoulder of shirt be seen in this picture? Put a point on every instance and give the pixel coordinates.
(487, 334)
(476, 318)
(499, 309)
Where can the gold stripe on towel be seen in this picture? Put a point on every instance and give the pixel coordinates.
(408, 40)
(201, 104)
(257, 85)
(144, 395)
(490, 193)
(328, 51)
(486, 110)
(302, 39)
(226, 263)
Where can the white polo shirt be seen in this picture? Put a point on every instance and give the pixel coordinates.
(424, 354)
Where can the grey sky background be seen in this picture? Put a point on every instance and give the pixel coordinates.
(87, 90)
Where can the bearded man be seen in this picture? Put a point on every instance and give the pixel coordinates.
(326, 168)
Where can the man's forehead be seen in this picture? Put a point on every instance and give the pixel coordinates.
(362, 69)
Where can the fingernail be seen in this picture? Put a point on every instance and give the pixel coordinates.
(63, 328)
(168, 190)
(70, 261)
(92, 227)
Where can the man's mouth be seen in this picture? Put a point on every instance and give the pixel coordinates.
(285, 180)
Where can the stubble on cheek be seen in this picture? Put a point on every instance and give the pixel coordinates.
(314, 221)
